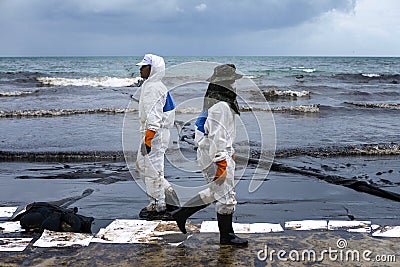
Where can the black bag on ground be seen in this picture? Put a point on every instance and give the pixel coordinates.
(43, 215)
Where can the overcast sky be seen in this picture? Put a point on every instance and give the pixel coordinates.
(204, 27)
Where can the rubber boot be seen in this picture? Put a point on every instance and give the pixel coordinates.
(171, 199)
(146, 211)
(191, 207)
(150, 213)
(226, 234)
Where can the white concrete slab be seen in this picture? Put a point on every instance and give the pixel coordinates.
(350, 226)
(14, 244)
(307, 225)
(7, 212)
(374, 227)
(387, 231)
(10, 227)
(209, 227)
(166, 228)
(242, 228)
(140, 231)
(239, 227)
(127, 231)
(265, 228)
(62, 239)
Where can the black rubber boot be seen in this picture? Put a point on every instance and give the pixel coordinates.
(153, 214)
(226, 234)
(191, 207)
(172, 203)
(171, 199)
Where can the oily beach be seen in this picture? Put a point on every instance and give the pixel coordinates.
(336, 155)
(282, 197)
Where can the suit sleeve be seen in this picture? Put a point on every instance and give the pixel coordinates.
(216, 125)
(154, 102)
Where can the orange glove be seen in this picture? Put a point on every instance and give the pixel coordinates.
(220, 176)
(146, 146)
(148, 137)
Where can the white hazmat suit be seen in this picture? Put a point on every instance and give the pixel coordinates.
(214, 145)
(156, 113)
(215, 134)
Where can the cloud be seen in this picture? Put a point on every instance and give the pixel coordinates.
(215, 16)
(180, 27)
(364, 31)
(201, 7)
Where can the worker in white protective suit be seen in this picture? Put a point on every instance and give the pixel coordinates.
(215, 134)
(157, 114)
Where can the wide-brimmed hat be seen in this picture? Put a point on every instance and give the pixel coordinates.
(225, 72)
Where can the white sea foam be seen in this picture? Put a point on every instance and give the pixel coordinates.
(60, 112)
(287, 93)
(348, 150)
(93, 81)
(17, 93)
(187, 110)
(307, 70)
(302, 109)
(306, 109)
(371, 75)
(376, 105)
(377, 150)
(252, 76)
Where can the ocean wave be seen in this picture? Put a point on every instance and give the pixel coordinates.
(371, 75)
(94, 81)
(388, 93)
(253, 76)
(356, 93)
(304, 69)
(346, 150)
(61, 155)
(184, 110)
(21, 78)
(300, 109)
(60, 112)
(17, 93)
(383, 149)
(276, 94)
(284, 70)
(380, 93)
(367, 77)
(20, 74)
(375, 105)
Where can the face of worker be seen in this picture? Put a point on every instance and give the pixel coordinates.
(145, 71)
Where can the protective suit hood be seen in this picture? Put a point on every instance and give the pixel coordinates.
(157, 71)
(154, 96)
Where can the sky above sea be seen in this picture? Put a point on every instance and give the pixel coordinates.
(203, 27)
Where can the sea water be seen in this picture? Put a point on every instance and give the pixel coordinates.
(61, 103)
